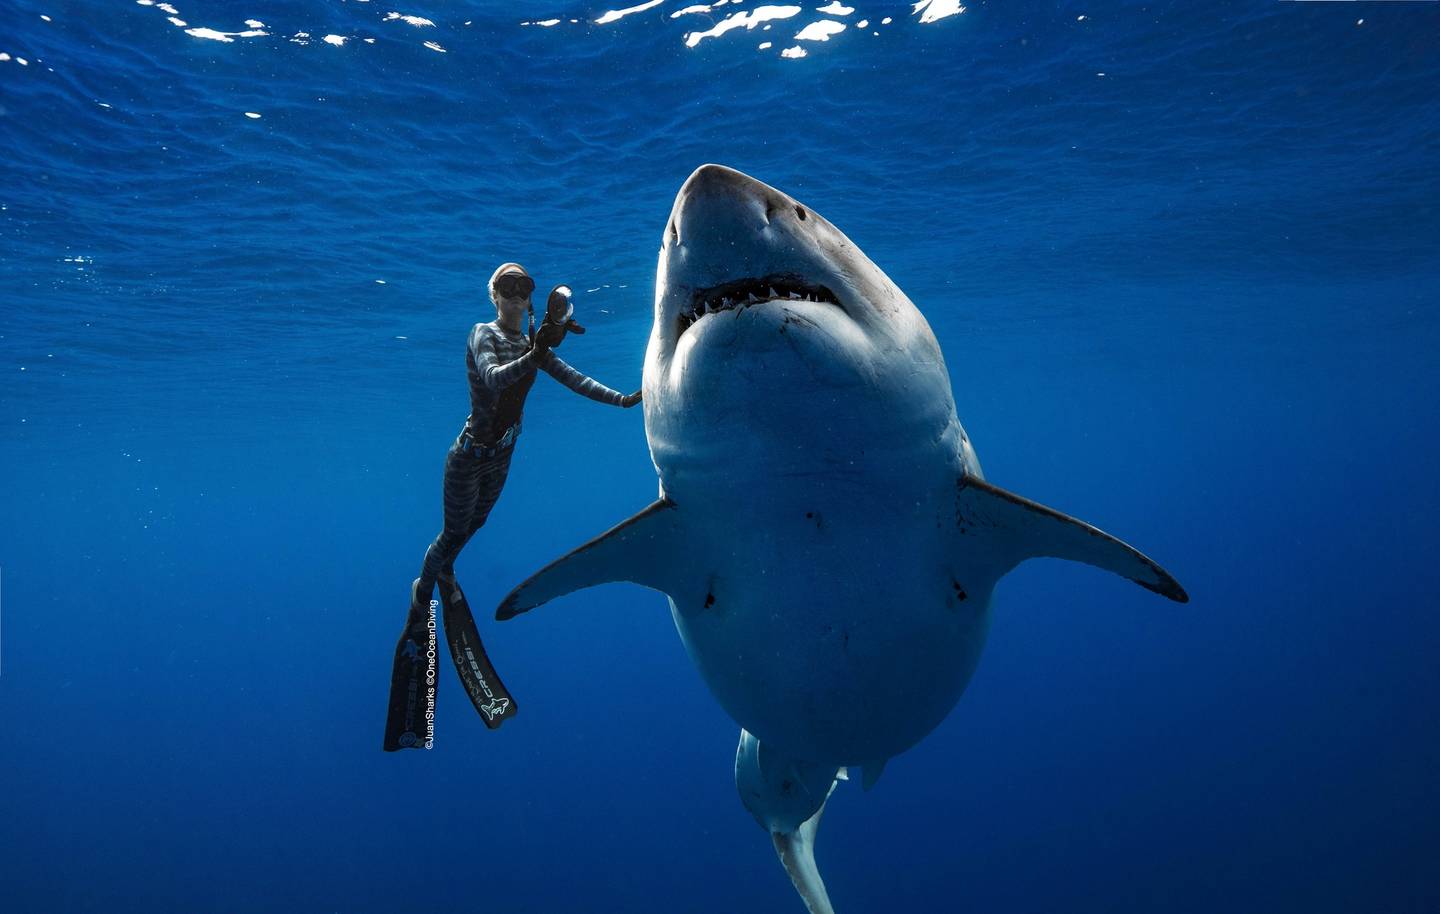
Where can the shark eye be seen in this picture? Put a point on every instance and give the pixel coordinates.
(800, 211)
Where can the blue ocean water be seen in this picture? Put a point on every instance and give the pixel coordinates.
(1182, 261)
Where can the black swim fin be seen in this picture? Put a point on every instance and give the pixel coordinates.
(482, 683)
(410, 721)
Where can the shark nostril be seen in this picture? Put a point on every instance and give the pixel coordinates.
(800, 211)
(674, 233)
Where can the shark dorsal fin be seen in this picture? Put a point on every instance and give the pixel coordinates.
(1024, 529)
(636, 550)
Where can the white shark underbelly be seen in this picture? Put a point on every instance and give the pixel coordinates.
(826, 615)
(819, 648)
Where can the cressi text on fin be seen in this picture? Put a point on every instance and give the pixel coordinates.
(489, 695)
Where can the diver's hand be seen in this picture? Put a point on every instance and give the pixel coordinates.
(548, 336)
(630, 400)
(557, 322)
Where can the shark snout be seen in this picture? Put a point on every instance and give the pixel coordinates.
(741, 255)
(718, 202)
(728, 229)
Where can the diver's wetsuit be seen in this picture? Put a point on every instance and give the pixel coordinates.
(501, 367)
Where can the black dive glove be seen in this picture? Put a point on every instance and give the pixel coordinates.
(559, 320)
(630, 400)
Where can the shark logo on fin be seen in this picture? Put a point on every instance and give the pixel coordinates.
(495, 708)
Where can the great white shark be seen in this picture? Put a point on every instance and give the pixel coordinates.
(824, 533)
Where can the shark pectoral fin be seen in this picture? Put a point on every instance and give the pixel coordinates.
(1027, 529)
(634, 550)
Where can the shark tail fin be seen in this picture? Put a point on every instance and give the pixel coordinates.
(797, 855)
(786, 796)
(1025, 529)
(633, 550)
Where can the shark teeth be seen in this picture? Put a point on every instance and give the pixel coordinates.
(744, 293)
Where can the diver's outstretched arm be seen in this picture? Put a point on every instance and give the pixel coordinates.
(583, 384)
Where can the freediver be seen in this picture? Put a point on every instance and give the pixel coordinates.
(501, 361)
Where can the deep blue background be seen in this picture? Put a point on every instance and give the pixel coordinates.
(1193, 300)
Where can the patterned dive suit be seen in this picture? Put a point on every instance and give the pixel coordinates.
(501, 367)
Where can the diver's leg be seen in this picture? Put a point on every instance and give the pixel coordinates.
(410, 716)
(489, 481)
(481, 682)
(464, 488)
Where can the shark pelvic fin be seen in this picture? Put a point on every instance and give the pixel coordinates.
(870, 773)
(1026, 529)
(633, 550)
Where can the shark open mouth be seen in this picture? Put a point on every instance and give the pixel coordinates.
(745, 293)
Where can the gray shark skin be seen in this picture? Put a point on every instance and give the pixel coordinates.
(824, 533)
